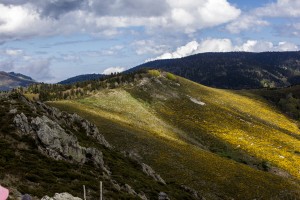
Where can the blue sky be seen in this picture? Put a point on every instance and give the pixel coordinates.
(51, 40)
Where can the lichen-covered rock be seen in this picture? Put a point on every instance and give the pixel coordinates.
(21, 122)
(53, 137)
(61, 196)
(72, 120)
(150, 172)
(60, 145)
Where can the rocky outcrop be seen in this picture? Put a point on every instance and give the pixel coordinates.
(21, 122)
(90, 129)
(129, 190)
(61, 196)
(56, 143)
(54, 134)
(150, 172)
(163, 196)
(73, 120)
(193, 192)
(53, 140)
(145, 168)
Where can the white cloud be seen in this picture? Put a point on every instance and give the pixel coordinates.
(148, 47)
(287, 46)
(182, 51)
(246, 22)
(215, 45)
(13, 52)
(194, 15)
(255, 18)
(193, 47)
(37, 68)
(225, 45)
(19, 21)
(22, 18)
(282, 8)
(113, 70)
(217, 12)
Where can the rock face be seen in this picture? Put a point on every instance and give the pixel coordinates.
(21, 122)
(150, 172)
(54, 141)
(60, 145)
(61, 196)
(90, 129)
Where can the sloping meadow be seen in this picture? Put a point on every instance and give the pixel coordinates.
(219, 142)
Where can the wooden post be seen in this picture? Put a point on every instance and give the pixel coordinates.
(84, 193)
(101, 190)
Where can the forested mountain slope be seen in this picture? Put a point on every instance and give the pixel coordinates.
(235, 70)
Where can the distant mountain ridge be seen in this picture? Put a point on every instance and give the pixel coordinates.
(12, 80)
(81, 78)
(22, 76)
(235, 70)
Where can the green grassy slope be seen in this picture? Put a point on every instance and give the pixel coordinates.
(199, 136)
(24, 168)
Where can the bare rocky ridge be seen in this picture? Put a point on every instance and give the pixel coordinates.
(55, 142)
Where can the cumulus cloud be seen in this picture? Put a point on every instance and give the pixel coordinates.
(39, 69)
(281, 8)
(148, 47)
(48, 8)
(128, 7)
(246, 22)
(225, 45)
(193, 47)
(256, 17)
(16, 60)
(113, 70)
(188, 49)
(17, 22)
(24, 18)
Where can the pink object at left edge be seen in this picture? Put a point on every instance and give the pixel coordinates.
(3, 193)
